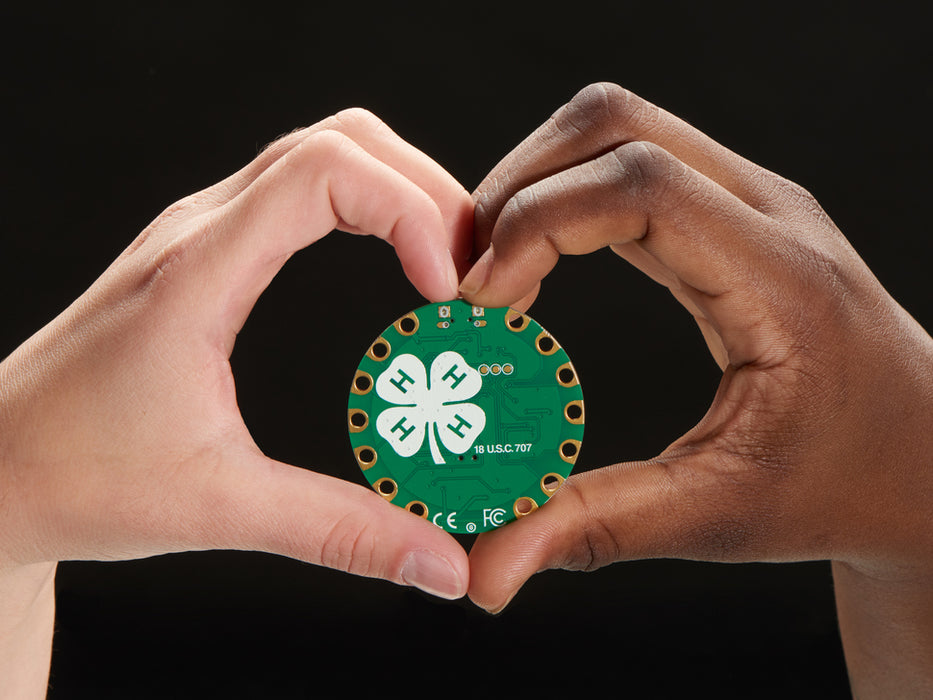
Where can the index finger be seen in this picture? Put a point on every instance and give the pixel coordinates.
(720, 253)
(376, 138)
(597, 120)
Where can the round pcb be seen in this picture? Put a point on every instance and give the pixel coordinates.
(466, 416)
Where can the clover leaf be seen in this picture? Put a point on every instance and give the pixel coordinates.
(437, 407)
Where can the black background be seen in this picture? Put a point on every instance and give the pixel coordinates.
(113, 113)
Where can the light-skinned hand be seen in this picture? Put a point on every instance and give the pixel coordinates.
(120, 435)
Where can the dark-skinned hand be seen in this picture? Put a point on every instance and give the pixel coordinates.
(817, 444)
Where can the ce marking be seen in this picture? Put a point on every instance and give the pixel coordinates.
(451, 519)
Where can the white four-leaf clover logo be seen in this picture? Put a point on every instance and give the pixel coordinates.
(437, 408)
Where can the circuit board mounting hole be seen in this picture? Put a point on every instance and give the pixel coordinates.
(365, 455)
(418, 508)
(358, 420)
(408, 324)
(566, 376)
(515, 321)
(550, 483)
(569, 450)
(573, 411)
(386, 487)
(523, 506)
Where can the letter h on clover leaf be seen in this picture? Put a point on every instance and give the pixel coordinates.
(438, 408)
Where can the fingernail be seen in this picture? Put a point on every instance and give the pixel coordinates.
(477, 277)
(453, 279)
(432, 574)
(496, 609)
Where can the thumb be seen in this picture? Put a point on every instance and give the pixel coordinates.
(672, 506)
(264, 505)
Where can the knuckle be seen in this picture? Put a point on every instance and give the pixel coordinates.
(165, 263)
(167, 258)
(347, 121)
(596, 106)
(595, 544)
(357, 119)
(597, 548)
(320, 149)
(796, 199)
(349, 546)
(324, 140)
(829, 282)
(164, 247)
(802, 197)
(821, 265)
(599, 102)
(646, 166)
(179, 212)
(600, 106)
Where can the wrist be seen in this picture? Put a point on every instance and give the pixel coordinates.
(884, 592)
(886, 625)
(27, 615)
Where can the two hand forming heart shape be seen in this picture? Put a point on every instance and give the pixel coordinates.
(122, 437)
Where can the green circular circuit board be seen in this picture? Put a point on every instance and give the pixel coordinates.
(467, 416)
